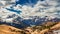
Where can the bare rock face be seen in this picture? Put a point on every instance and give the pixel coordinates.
(5, 29)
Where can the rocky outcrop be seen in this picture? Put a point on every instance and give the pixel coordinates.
(47, 28)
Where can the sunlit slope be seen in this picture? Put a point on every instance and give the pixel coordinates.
(5, 29)
(55, 26)
(45, 28)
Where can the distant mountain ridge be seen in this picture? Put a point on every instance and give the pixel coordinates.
(22, 23)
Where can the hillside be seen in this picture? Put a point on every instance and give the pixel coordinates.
(6, 29)
(45, 28)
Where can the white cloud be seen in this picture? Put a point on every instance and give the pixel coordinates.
(4, 13)
(48, 8)
(6, 2)
(41, 9)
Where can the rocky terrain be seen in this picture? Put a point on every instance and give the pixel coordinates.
(45, 28)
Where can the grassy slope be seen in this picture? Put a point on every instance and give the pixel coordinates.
(5, 29)
(46, 27)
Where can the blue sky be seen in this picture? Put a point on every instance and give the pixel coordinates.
(22, 2)
(40, 9)
(51, 7)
